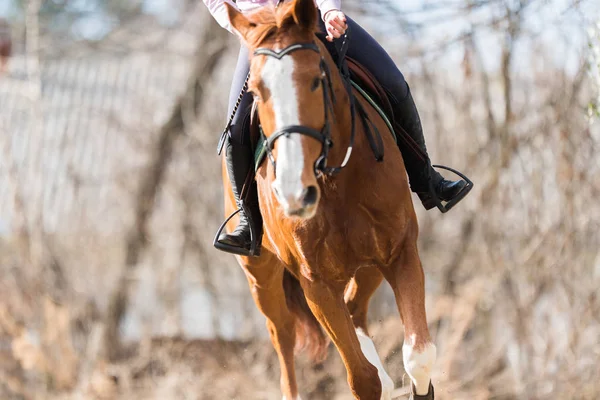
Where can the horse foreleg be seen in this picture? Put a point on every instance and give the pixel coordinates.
(267, 290)
(357, 296)
(419, 353)
(359, 292)
(327, 304)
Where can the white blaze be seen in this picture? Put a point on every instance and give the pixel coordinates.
(368, 348)
(277, 76)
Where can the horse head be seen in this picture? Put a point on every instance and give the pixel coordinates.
(291, 89)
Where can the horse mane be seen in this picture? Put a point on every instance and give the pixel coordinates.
(270, 20)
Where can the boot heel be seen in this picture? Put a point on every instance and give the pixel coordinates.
(427, 200)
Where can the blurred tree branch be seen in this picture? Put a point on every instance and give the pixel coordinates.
(215, 40)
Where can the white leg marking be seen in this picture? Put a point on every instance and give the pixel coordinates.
(277, 76)
(297, 398)
(418, 365)
(368, 348)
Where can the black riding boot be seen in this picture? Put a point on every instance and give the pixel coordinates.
(423, 178)
(240, 161)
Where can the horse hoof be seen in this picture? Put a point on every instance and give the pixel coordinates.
(428, 396)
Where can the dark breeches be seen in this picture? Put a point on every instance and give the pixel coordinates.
(363, 48)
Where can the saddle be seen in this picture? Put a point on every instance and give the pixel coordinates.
(361, 76)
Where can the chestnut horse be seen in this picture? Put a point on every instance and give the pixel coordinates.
(329, 241)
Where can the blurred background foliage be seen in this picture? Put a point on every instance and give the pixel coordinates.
(110, 194)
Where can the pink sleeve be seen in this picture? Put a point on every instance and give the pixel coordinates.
(219, 12)
(327, 5)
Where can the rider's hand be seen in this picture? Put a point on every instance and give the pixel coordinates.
(335, 23)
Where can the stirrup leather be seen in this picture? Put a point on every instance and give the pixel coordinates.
(444, 208)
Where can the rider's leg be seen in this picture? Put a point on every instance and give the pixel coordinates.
(240, 161)
(365, 49)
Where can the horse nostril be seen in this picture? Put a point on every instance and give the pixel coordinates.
(310, 196)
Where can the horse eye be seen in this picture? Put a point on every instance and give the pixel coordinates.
(315, 84)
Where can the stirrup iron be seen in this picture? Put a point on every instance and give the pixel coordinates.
(254, 240)
(444, 208)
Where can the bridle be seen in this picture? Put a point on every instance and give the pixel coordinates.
(324, 135)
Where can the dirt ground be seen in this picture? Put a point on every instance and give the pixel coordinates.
(236, 370)
(176, 368)
(213, 369)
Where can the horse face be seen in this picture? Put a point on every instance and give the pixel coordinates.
(288, 93)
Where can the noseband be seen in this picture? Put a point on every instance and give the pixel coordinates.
(324, 135)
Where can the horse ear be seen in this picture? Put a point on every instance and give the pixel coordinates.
(238, 21)
(305, 13)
